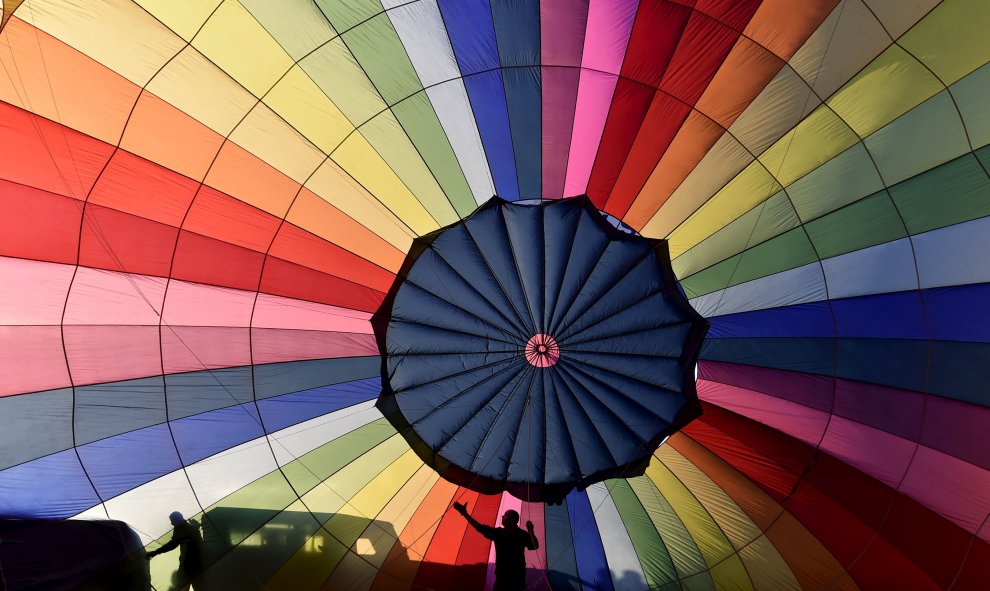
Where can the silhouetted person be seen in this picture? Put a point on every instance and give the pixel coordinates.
(511, 542)
(185, 537)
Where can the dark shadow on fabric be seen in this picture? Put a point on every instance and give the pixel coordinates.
(56, 555)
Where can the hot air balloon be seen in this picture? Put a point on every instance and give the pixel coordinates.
(203, 204)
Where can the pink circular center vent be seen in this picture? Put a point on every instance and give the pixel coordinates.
(542, 350)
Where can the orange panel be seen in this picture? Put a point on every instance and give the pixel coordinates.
(246, 177)
(50, 78)
(162, 133)
(323, 219)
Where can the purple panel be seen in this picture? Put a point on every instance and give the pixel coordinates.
(814, 391)
(958, 429)
(889, 409)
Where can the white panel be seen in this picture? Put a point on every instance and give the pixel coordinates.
(794, 286)
(147, 507)
(627, 572)
(294, 441)
(421, 30)
(221, 475)
(955, 255)
(883, 268)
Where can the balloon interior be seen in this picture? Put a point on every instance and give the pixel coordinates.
(535, 349)
(252, 276)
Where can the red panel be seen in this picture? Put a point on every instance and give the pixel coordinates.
(220, 216)
(134, 185)
(436, 572)
(733, 13)
(475, 548)
(295, 281)
(38, 225)
(121, 242)
(654, 37)
(629, 106)
(702, 50)
(206, 260)
(661, 124)
(40, 153)
(976, 570)
(299, 246)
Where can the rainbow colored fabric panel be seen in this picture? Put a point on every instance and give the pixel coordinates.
(202, 204)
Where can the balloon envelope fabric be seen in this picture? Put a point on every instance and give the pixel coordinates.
(202, 204)
(534, 348)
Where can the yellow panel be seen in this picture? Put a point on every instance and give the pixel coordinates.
(364, 505)
(767, 568)
(359, 567)
(332, 494)
(952, 39)
(336, 187)
(891, 85)
(236, 42)
(814, 141)
(752, 186)
(215, 100)
(301, 102)
(361, 161)
(267, 136)
(710, 540)
(335, 70)
(185, 18)
(117, 33)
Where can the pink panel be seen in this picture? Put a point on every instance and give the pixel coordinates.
(958, 429)
(277, 312)
(31, 359)
(594, 98)
(895, 411)
(536, 561)
(33, 291)
(798, 421)
(609, 25)
(877, 453)
(195, 348)
(507, 502)
(196, 304)
(273, 346)
(955, 489)
(110, 353)
(112, 298)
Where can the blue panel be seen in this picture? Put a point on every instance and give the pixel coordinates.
(291, 409)
(804, 320)
(959, 313)
(120, 463)
(201, 436)
(960, 371)
(523, 96)
(51, 487)
(561, 562)
(804, 355)
(487, 95)
(472, 37)
(592, 566)
(889, 316)
(517, 29)
(897, 363)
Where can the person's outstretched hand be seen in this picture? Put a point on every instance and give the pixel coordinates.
(529, 525)
(461, 508)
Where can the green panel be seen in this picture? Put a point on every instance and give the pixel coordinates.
(711, 279)
(344, 14)
(683, 550)
(787, 251)
(377, 48)
(771, 218)
(649, 546)
(848, 177)
(924, 137)
(970, 95)
(309, 470)
(420, 120)
(955, 192)
(869, 222)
